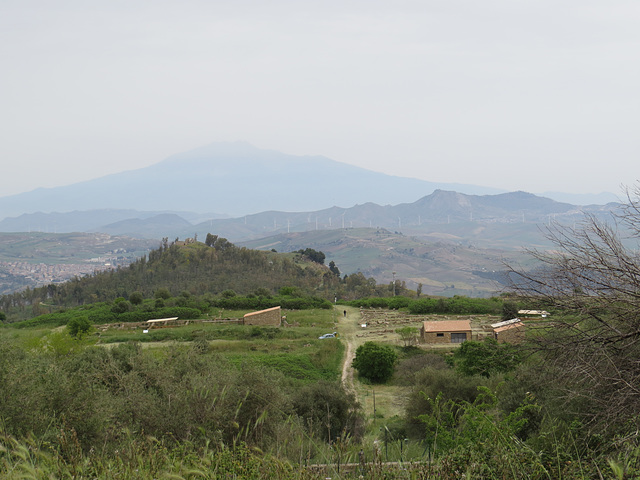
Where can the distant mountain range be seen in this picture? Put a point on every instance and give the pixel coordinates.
(450, 242)
(236, 179)
(507, 220)
(452, 239)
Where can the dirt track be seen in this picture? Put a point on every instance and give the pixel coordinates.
(347, 327)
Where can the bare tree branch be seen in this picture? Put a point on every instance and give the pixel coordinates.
(592, 279)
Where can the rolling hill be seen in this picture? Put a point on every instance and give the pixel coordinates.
(442, 267)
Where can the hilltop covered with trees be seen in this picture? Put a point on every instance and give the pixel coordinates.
(197, 269)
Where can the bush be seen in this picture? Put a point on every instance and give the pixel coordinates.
(262, 292)
(486, 358)
(328, 411)
(136, 298)
(163, 293)
(290, 291)
(441, 385)
(407, 368)
(78, 326)
(121, 306)
(375, 362)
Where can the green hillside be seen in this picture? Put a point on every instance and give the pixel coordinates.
(192, 268)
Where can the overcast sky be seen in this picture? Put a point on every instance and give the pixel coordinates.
(533, 95)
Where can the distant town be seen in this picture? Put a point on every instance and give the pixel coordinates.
(38, 274)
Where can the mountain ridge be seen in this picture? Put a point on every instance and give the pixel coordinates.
(439, 213)
(232, 178)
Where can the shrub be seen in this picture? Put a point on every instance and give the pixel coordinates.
(163, 293)
(486, 358)
(328, 411)
(375, 362)
(290, 291)
(78, 326)
(121, 306)
(440, 386)
(407, 368)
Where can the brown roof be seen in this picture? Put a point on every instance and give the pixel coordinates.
(507, 327)
(447, 326)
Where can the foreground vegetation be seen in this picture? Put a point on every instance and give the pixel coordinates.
(220, 401)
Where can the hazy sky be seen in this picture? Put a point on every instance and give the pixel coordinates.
(534, 95)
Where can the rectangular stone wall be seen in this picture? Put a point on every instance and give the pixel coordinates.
(433, 338)
(268, 317)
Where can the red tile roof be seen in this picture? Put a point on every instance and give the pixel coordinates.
(447, 326)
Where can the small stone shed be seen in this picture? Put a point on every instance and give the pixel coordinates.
(445, 331)
(269, 317)
(509, 331)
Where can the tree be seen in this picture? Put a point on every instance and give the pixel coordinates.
(136, 298)
(162, 293)
(334, 269)
(120, 305)
(408, 335)
(591, 281)
(509, 310)
(313, 255)
(78, 326)
(375, 362)
(210, 240)
(262, 292)
(222, 244)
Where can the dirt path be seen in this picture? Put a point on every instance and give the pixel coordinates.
(386, 400)
(347, 370)
(347, 328)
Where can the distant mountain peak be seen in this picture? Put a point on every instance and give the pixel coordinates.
(237, 178)
(217, 149)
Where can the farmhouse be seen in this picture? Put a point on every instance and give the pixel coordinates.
(270, 316)
(509, 331)
(446, 331)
